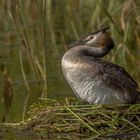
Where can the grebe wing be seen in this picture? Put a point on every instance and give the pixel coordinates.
(115, 75)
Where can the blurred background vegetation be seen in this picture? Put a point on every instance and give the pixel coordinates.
(34, 35)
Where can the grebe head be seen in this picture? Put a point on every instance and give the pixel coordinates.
(97, 39)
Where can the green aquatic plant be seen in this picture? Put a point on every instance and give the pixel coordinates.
(72, 119)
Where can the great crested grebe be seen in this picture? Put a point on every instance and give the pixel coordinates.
(94, 80)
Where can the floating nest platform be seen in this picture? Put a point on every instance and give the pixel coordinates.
(71, 119)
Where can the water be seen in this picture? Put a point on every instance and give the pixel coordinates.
(11, 135)
(57, 86)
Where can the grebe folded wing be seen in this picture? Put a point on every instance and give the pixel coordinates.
(119, 73)
(117, 78)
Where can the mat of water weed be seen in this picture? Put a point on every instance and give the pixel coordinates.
(68, 119)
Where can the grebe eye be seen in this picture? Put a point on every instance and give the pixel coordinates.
(91, 37)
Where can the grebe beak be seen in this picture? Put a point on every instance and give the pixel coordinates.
(101, 30)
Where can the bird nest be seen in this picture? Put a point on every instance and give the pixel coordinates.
(71, 119)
